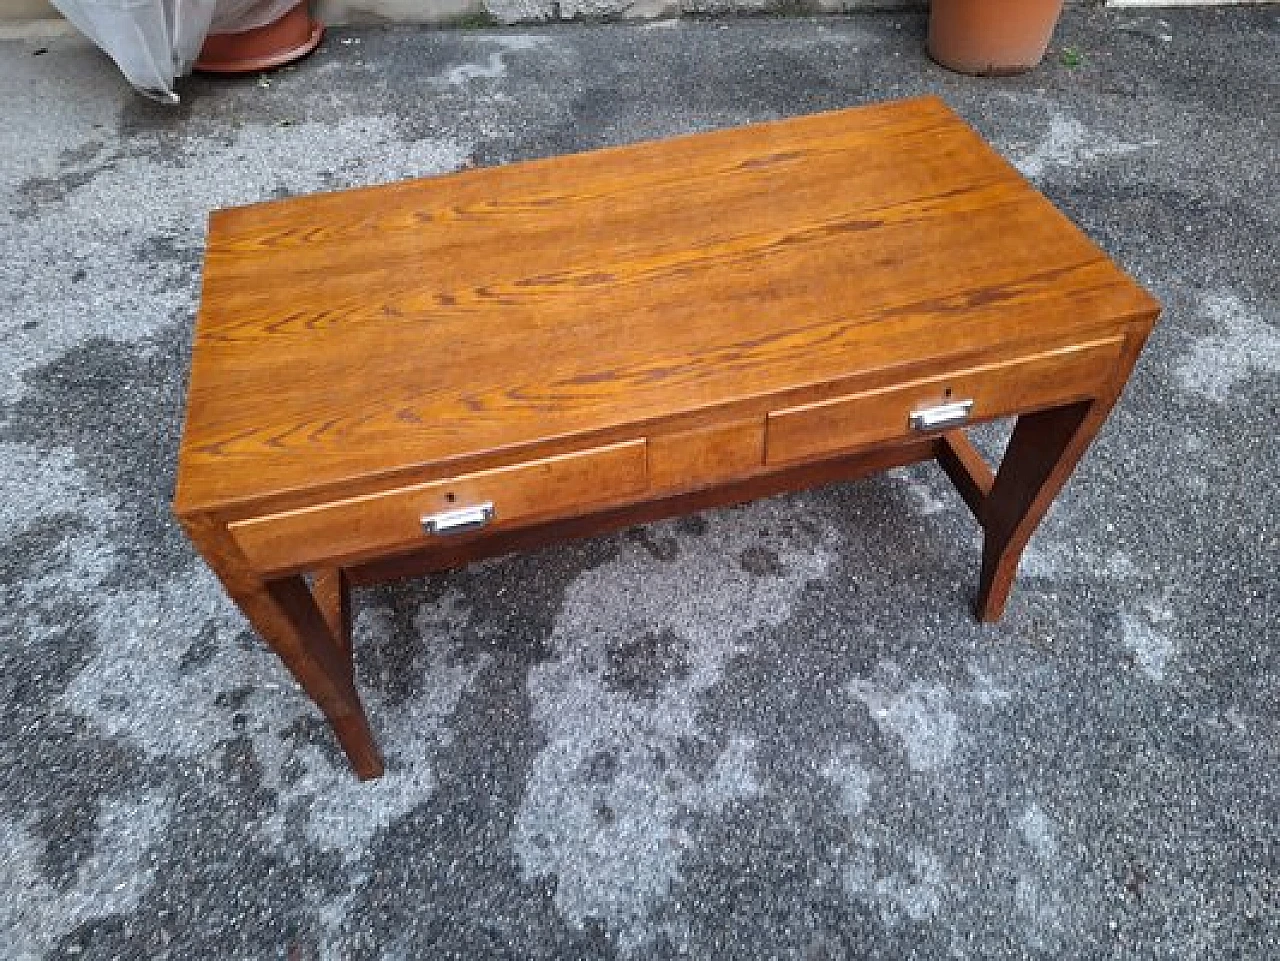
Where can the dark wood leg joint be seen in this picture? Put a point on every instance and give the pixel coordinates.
(969, 472)
(332, 591)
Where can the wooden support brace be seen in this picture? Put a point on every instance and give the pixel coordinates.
(332, 592)
(969, 472)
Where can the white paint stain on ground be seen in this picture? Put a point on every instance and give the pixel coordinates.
(39, 485)
(1244, 343)
(1150, 648)
(917, 894)
(1040, 879)
(161, 659)
(1036, 908)
(732, 777)
(914, 893)
(494, 66)
(918, 715)
(1038, 831)
(1056, 559)
(924, 496)
(135, 685)
(44, 483)
(1068, 143)
(923, 718)
(35, 915)
(603, 803)
(983, 689)
(344, 814)
(138, 675)
(851, 779)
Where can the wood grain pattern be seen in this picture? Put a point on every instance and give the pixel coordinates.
(706, 455)
(611, 338)
(1042, 452)
(489, 314)
(767, 483)
(349, 529)
(332, 592)
(1027, 383)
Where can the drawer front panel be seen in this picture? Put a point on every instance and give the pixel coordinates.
(706, 456)
(885, 414)
(393, 520)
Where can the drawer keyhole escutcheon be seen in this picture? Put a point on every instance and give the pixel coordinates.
(460, 520)
(942, 416)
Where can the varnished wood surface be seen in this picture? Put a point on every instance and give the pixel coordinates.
(611, 338)
(1035, 381)
(491, 316)
(466, 550)
(332, 592)
(392, 520)
(688, 459)
(971, 475)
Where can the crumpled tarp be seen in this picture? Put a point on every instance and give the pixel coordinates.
(153, 42)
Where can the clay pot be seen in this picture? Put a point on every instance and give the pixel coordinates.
(289, 38)
(991, 37)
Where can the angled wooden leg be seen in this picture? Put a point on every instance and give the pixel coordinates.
(1041, 455)
(285, 613)
(1042, 452)
(326, 662)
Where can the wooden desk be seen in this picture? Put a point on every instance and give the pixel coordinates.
(404, 378)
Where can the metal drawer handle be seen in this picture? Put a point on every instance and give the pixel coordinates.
(458, 521)
(944, 415)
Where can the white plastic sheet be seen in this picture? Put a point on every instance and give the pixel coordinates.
(153, 42)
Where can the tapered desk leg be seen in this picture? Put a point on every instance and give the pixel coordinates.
(328, 657)
(1042, 452)
(286, 615)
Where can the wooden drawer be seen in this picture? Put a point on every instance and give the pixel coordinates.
(998, 389)
(393, 520)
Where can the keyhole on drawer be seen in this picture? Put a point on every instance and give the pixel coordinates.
(450, 497)
(947, 392)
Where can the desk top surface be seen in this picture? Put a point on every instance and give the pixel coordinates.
(440, 322)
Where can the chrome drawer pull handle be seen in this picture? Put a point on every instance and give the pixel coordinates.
(457, 521)
(944, 415)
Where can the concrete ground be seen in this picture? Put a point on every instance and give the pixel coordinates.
(764, 733)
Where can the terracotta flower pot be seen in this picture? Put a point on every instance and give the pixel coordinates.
(991, 37)
(292, 36)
